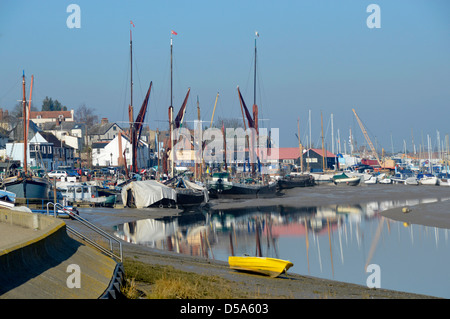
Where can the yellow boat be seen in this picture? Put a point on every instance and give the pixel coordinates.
(272, 267)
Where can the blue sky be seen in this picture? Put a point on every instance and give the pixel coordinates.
(312, 55)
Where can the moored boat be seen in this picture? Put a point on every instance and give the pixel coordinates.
(83, 194)
(291, 181)
(427, 179)
(222, 187)
(189, 194)
(272, 267)
(343, 179)
(7, 199)
(149, 193)
(24, 184)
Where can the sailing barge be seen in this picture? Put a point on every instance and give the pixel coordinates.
(24, 184)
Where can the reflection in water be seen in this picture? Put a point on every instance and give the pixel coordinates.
(333, 242)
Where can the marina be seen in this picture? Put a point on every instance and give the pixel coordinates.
(293, 149)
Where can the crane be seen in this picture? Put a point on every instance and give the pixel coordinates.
(367, 138)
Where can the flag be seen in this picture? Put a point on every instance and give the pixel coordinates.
(173, 32)
(257, 34)
(131, 22)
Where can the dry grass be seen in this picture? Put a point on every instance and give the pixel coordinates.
(166, 282)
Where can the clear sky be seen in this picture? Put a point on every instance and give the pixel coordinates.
(317, 55)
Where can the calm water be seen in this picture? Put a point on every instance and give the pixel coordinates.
(332, 242)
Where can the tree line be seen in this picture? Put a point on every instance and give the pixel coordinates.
(83, 114)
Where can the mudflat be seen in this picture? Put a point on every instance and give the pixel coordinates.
(426, 205)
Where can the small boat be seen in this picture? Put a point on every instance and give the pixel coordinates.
(222, 187)
(343, 179)
(322, 178)
(189, 194)
(272, 267)
(444, 179)
(7, 199)
(427, 179)
(295, 180)
(411, 181)
(385, 180)
(83, 194)
(372, 180)
(149, 193)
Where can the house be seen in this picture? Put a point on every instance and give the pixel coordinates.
(41, 117)
(312, 158)
(63, 154)
(39, 152)
(104, 131)
(71, 133)
(106, 153)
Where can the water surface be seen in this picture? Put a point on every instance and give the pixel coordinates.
(333, 242)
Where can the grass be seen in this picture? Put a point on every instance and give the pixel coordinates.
(166, 282)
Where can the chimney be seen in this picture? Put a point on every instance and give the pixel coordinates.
(104, 120)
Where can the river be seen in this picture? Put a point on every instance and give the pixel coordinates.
(345, 238)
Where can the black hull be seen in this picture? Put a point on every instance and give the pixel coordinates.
(187, 198)
(245, 191)
(291, 182)
(28, 188)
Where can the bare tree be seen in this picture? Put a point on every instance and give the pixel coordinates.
(86, 115)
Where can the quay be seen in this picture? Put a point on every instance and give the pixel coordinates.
(37, 256)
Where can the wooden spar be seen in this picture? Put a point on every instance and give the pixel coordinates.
(24, 114)
(180, 116)
(130, 107)
(157, 152)
(300, 145)
(224, 146)
(198, 172)
(120, 159)
(242, 110)
(214, 110)
(29, 104)
(125, 163)
(171, 140)
(323, 147)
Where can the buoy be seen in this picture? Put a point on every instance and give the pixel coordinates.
(406, 210)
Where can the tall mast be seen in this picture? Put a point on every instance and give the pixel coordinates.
(323, 146)
(131, 70)
(171, 106)
(24, 114)
(130, 108)
(254, 73)
(171, 69)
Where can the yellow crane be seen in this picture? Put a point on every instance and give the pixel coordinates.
(367, 138)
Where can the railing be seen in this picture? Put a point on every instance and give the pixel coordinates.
(110, 252)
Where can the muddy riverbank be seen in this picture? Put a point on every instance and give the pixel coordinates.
(426, 205)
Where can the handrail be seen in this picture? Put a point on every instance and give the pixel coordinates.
(88, 224)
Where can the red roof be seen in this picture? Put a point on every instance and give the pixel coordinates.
(319, 151)
(50, 114)
(294, 153)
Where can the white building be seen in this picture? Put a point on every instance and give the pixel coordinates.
(107, 153)
(39, 152)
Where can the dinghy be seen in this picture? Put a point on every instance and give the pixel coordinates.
(272, 267)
